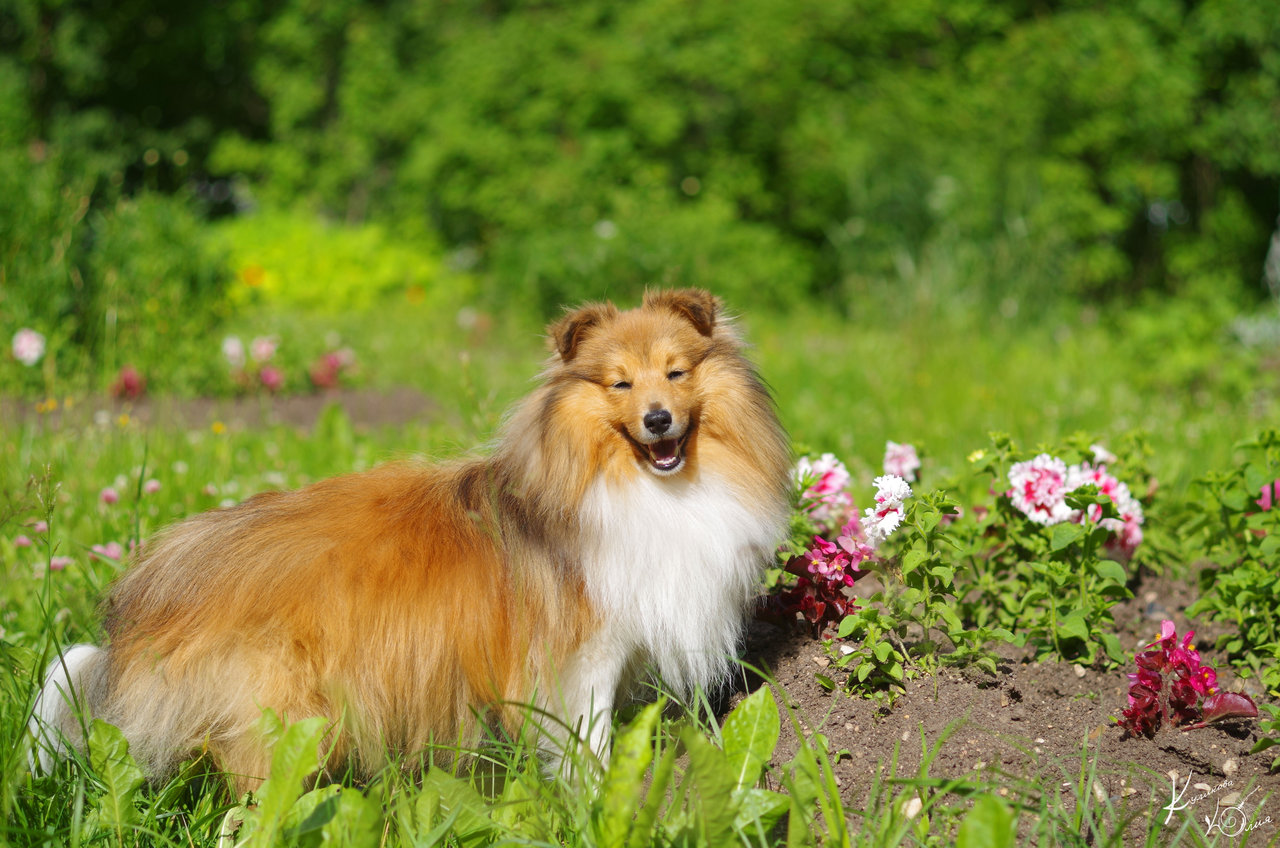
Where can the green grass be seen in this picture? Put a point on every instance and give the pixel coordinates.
(941, 382)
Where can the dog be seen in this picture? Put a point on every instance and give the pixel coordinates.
(616, 532)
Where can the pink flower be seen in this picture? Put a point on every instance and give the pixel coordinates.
(109, 496)
(151, 486)
(58, 563)
(879, 521)
(262, 348)
(828, 494)
(21, 542)
(901, 460)
(1270, 495)
(28, 346)
(129, 385)
(111, 550)
(324, 371)
(272, 378)
(41, 526)
(1040, 488)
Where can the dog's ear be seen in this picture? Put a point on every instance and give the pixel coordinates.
(701, 308)
(567, 333)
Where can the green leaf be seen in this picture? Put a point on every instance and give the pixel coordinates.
(988, 825)
(714, 782)
(759, 810)
(750, 734)
(912, 560)
(882, 651)
(1065, 534)
(1111, 644)
(1073, 626)
(295, 757)
(356, 821)
(120, 775)
(847, 625)
(622, 785)
(1109, 570)
(446, 796)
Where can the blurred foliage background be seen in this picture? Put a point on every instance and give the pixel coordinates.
(164, 165)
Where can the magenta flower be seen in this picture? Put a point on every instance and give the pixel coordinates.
(1039, 489)
(1270, 495)
(901, 461)
(109, 496)
(1190, 699)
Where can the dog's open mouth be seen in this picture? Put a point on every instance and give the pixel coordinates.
(664, 455)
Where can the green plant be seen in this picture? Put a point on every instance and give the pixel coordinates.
(1240, 532)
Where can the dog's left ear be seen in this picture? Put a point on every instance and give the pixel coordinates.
(567, 333)
(700, 307)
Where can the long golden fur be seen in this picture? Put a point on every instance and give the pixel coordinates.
(618, 528)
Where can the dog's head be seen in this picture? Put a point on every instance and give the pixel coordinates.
(643, 369)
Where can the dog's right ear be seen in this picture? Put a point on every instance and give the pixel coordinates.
(567, 333)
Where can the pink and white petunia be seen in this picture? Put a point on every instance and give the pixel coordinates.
(828, 492)
(879, 521)
(1039, 489)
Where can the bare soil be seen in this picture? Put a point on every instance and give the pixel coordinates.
(1030, 727)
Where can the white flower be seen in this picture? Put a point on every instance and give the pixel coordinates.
(1101, 455)
(901, 460)
(28, 346)
(1039, 488)
(879, 521)
(233, 351)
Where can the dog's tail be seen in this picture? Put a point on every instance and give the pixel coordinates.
(71, 686)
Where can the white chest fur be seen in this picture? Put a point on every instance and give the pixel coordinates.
(672, 565)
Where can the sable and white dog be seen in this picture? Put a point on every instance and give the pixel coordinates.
(619, 527)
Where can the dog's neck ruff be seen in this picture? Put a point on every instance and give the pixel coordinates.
(673, 564)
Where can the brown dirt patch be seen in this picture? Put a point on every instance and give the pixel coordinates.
(1028, 726)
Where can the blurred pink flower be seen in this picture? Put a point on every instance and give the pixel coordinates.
(111, 550)
(901, 461)
(272, 378)
(28, 346)
(151, 486)
(262, 348)
(58, 563)
(129, 385)
(41, 526)
(325, 370)
(109, 496)
(21, 542)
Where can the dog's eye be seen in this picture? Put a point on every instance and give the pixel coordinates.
(675, 375)
(622, 384)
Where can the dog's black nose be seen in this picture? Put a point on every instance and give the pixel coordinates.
(657, 422)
